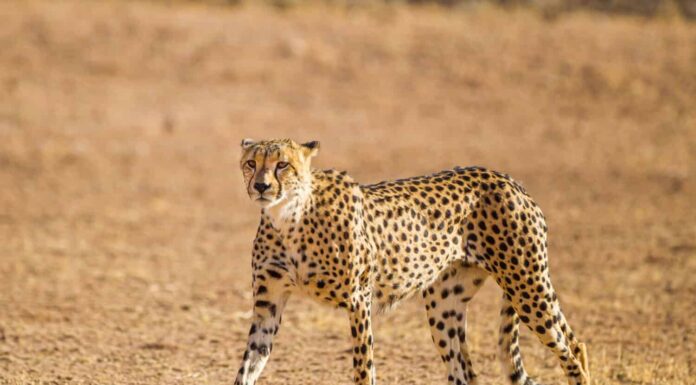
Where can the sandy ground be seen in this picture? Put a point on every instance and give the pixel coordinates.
(125, 232)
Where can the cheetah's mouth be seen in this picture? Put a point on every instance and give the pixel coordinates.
(264, 201)
(267, 199)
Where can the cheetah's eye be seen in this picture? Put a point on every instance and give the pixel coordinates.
(250, 163)
(282, 165)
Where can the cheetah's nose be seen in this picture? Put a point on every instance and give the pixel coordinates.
(261, 187)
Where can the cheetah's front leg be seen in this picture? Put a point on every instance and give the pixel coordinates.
(269, 302)
(361, 330)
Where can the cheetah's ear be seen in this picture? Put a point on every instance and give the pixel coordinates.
(246, 143)
(310, 149)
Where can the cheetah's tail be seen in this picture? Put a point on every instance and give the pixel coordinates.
(584, 361)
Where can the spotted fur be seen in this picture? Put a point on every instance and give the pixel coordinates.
(365, 248)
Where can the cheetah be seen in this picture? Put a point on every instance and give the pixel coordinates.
(365, 248)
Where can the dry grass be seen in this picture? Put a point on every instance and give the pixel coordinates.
(125, 233)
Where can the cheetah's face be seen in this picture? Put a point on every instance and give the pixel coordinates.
(276, 169)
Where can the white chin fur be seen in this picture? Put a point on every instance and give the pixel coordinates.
(266, 203)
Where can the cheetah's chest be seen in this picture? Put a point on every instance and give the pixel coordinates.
(317, 271)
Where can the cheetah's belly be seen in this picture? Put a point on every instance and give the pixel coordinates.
(401, 275)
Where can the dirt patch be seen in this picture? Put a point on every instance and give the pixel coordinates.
(124, 229)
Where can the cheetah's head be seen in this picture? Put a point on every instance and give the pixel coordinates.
(276, 169)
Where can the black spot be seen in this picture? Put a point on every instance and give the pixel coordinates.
(445, 293)
(274, 274)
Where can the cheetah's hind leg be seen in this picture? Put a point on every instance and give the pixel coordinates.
(446, 304)
(509, 346)
(552, 330)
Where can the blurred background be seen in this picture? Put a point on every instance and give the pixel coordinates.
(125, 232)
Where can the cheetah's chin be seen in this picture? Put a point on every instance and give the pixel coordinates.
(267, 203)
(264, 202)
